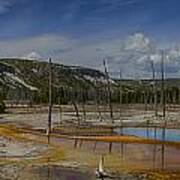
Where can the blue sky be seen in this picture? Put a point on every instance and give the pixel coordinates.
(83, 32)
(90, 18)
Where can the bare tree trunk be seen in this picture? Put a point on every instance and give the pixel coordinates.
(155, 108)
(163, 97)
(164, 110)
(77, 111)
(97, 104)
(120, 101)
(50, 101)
(145, 99)
(60, 113)
(109, 92)
(154, 90)
(110, 147)
(84, 111)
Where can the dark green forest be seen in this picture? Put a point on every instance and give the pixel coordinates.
(29, 80)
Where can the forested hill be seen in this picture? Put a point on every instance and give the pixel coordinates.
(28, 80)
(19, 78)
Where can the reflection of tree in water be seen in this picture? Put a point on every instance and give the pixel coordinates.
(163, 156)
(49, 173)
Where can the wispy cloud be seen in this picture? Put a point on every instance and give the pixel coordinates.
(132, 54)
(45, 45)
(6, 5)
(108, 6)
(118, 2)
(32, 56)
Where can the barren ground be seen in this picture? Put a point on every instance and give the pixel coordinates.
(28, 156)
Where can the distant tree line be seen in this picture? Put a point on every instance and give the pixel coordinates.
(65, 95)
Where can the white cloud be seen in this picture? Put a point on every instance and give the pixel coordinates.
(33, 56)
(156, 58)
(47, 45)
(142, 59)
(132, 55)
(175, 52)
(137, 42)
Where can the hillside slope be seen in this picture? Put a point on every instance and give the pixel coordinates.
(21, 78)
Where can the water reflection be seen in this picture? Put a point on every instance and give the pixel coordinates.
(171, 134)
(57, 173)
(110, 147)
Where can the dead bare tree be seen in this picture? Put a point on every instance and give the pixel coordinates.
(76, 110)
(163, 106)
(97, 89)
(163, 94)
(109, 91)
(60, 112)
(83, 104)
(50, 101)
(155, 92)
(120, 101)
(154, 89)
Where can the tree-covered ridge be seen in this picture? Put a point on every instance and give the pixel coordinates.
(35, 74)
(28, 80)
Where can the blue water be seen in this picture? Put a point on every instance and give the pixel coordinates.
(171, 134)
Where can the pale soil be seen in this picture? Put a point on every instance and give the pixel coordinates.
(129, 115)
(13, 149)
(133, 161)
